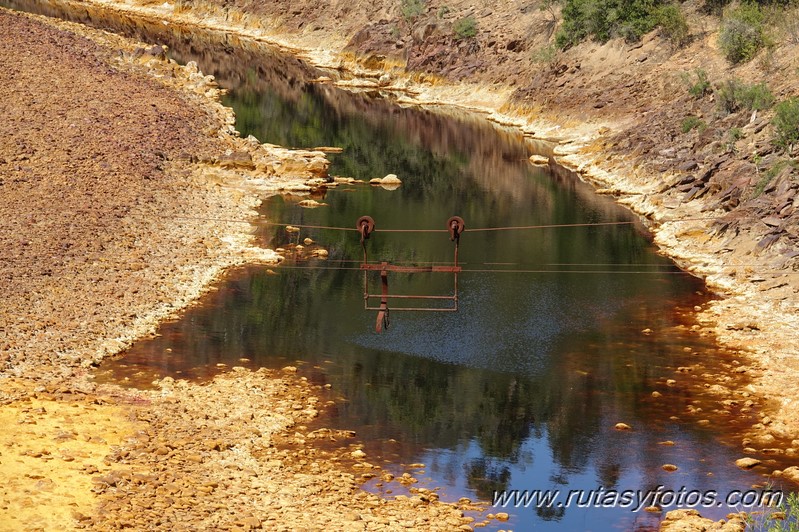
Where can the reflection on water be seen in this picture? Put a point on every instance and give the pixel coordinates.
(522, 387)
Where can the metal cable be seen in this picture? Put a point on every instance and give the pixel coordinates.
(477, 229)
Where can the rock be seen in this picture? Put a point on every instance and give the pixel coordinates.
(391, 179)
(684, 521)
(358, 454)
(237, 159)
(502, 516)
(791, 473)
(669, 467)
(747, 463)
(311, 204)
(539, 160)
(250, 523)
(390, 182)
(622, 426)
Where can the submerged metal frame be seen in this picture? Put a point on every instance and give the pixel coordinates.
(366, 226)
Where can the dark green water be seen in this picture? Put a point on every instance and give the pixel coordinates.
(519, 389)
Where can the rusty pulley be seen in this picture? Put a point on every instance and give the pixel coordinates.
(455, 225)
(366, 225)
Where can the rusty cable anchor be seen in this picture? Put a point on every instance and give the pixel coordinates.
(365, 226)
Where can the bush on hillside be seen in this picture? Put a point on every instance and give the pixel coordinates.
(412, 9)
(742, 33)
(692, 122)
(673, 24)
(602, 20)
(465, 28)
(701, 86)
(786, 124)
(732, 96)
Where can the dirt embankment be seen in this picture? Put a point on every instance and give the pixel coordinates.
(721, 199)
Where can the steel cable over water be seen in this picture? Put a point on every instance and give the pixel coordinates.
(466, 230)
(478, 229)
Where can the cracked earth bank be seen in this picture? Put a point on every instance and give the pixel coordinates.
(114, 164)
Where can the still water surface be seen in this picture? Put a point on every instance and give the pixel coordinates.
(522, 387)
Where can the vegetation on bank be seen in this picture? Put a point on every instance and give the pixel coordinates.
(782, 518)
(745, 30)
(602, 20)
(733, 95)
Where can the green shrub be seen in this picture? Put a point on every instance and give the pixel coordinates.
(693, 122)
(412, 9)
(786, 124)
(732, 96)
(602, 20)
(673, 24)
(742, 33)
(465, 28)
(701, 86)
(781, 516)
(546, 54)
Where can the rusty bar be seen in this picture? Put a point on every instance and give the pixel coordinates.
(382, 315)
(410, 269)
(452, 309)
(409, 297)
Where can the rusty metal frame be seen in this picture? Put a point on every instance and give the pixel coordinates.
(366, 226)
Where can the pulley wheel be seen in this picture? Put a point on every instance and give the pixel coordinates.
(455, 226)
(368, 222)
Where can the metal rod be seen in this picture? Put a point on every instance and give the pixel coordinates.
(427, 309)
(409, 269)
(375, 296)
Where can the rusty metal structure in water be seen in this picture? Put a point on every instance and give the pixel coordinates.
(366, 226)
